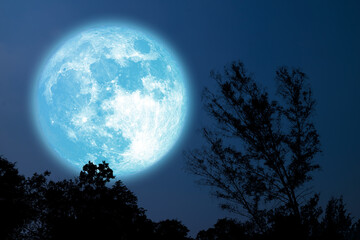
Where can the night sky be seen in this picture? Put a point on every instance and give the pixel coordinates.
(320, 37)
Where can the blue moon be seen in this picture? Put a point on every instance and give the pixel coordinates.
(111, 92)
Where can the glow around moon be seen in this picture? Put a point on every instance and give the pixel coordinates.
(111, 93)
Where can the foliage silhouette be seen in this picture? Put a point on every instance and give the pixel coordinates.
(276, 143)
(13, 207)
(80, 208)
(86, 208)
(228, 229)
(337, 222)
(171, 229)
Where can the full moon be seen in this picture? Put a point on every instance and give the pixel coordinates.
(113, 93)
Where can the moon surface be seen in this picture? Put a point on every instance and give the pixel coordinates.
(111, 93)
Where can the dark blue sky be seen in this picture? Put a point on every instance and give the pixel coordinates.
(320, 37)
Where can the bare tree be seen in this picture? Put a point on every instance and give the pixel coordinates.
(259, 152)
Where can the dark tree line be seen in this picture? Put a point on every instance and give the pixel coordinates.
(81, 208)
(86, 207)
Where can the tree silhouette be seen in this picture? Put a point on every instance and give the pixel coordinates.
(95, 175)
(171, 229)
(13, 207)
(310, 214)
(228, 229)
(337, 222)
(355, 231)
(259, 152)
